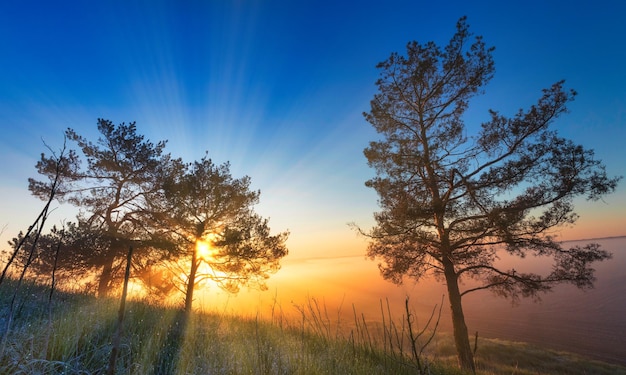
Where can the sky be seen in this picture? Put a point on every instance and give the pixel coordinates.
(278, 88)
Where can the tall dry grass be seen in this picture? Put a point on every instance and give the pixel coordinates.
(158, 340)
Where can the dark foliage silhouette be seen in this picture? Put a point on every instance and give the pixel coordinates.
(450, 202)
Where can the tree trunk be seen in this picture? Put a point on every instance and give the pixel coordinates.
(105, 278)
(461, 336)
(120, 316)
(192, 279)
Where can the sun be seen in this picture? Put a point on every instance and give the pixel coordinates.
(205, 251)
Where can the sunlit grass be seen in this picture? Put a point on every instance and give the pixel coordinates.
(160, 340)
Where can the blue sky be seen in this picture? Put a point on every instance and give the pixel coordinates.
(278, 87)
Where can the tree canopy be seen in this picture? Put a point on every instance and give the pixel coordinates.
(131, 193)
(451, 201)
(204, 206)
(110, 181)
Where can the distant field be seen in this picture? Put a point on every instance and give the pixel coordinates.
(585, 322)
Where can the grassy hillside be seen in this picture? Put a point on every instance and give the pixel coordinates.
(75, 335)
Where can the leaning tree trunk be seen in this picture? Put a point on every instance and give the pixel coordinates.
(192, 279)
(104, 283)
(461, 337)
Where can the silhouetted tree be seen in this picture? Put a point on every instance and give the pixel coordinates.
(450, 202)
(122, 172)
(71, 262)
(205, 206)
(29, 241)
(56, 165)
(80, 248)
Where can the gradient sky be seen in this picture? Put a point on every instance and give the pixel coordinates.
(278, 89)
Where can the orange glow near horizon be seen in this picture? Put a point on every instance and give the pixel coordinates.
(136, 290)
(348, 280)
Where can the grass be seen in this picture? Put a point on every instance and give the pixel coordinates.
(503, 357)
(159, 340)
